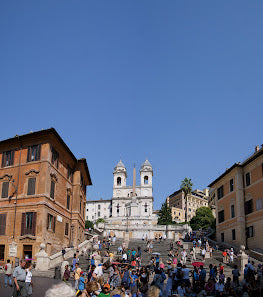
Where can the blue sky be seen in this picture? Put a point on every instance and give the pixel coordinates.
(179, 82)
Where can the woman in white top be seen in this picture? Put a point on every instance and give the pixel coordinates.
(28, 280)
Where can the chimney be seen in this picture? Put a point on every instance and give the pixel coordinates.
(256, 148)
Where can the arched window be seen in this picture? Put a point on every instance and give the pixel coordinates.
(118, 181)
(145, 207)
(118, 209)
(146, 180)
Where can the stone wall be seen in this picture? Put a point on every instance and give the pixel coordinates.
(137, 232)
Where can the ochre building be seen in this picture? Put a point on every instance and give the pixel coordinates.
(238, 195)
(181, 208)
(43, 195)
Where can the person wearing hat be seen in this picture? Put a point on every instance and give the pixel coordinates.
(81, 284)
(105, 291)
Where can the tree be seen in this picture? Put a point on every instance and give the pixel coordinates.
(100, 220)
(165, 215)
(186, 187)
(89, 224)
(203, 219)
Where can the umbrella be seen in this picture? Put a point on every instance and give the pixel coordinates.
(156, 253)
(197, 264)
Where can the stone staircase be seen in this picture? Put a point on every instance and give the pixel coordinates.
(163, 248)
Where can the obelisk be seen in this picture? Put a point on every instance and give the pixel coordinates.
(134, 182)
(134, 199)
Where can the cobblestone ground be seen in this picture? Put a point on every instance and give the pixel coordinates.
(41, 285)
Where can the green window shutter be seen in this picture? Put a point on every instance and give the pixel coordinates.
(5, 189)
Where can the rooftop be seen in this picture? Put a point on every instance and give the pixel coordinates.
(19, 139)
(256, 154)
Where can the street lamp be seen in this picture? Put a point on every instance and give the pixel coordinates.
(10, 197)
(72, 244)
(127, 230)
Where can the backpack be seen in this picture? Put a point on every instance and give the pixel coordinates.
(179, 273)
(196, 276)
(126, 279)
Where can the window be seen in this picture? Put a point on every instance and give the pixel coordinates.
(250, 231)
(259, 204)
(2, 252)
(248, 179)
(146, 180)
(99, 214)
(146, 209)
(51, 223)
(99, 206)
(2, 224)
(31, 186)
(118, 181)
(248, 206)
(68, 201)
(233, 234)
(28, 224)
(33, 153)
(55, 157)
(66, 229)
(80, 207)
(5, 188)
(70, 174)
(52, 189)
(231, 185)
(8, 158)
(221, 216)
(220, 192)
(232, 211)
(222, 237)
(118, 209)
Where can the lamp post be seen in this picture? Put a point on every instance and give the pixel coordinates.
(72, 229)
(16, 186)
(127, 230)
(10, 197)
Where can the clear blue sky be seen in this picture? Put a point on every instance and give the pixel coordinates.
(179, 82)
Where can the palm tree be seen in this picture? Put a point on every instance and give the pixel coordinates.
(186, 187)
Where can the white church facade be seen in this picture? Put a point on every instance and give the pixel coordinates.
(130, 213)
(119, 206)
(128, 198)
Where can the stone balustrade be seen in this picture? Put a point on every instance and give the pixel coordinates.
(45, 262)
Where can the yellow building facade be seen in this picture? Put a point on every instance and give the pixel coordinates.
(238, 195)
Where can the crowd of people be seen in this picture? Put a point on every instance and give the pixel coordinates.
(122, 274)
(125, 275)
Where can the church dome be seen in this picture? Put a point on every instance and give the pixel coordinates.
(146, 166)
(120, 166)
(146, 163)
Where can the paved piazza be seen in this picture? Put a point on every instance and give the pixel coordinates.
(41, 284)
